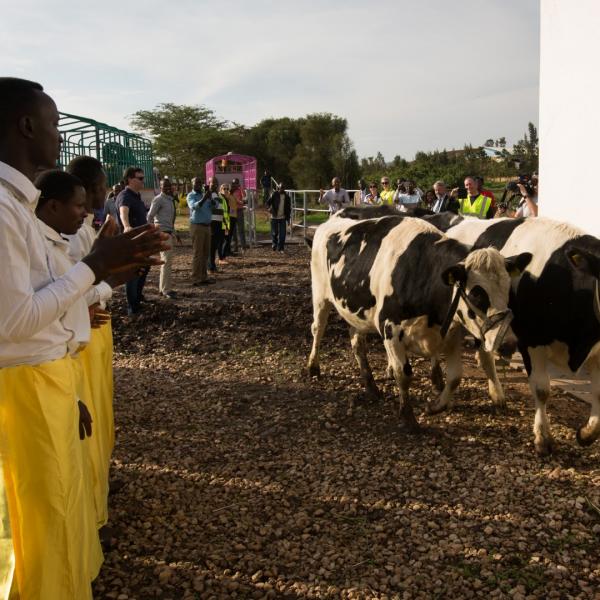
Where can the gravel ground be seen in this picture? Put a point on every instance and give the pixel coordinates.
(246, 479)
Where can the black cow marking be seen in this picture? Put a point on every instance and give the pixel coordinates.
(419, 291)
(353, 286)
(479, 298)
(496, 235)
(359, 213)
(558, 306)
(444, 220)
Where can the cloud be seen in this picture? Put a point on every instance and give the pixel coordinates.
(406, 74)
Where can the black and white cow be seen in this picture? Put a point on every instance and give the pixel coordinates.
(402, 278)
(443, 221)
(556, 306)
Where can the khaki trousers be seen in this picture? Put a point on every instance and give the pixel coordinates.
(165, 284)
(201, 248)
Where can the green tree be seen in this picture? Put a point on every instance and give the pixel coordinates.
(323, 151)
(185, 137)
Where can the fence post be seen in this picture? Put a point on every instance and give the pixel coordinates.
(304, 213)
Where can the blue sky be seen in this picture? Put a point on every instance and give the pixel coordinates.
(408, 75)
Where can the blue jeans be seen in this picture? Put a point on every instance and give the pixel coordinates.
(278, 233)
(133, 289)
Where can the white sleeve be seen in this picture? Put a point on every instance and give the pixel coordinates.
(98, 294)
(23, 310)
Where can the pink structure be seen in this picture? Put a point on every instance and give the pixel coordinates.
(230, 166)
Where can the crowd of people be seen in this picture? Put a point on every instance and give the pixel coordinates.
(474, 200)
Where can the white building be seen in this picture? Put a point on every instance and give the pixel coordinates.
(569, 114)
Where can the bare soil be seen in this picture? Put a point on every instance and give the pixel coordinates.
(244, 478)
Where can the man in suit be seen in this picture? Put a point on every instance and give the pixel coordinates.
(443, 200)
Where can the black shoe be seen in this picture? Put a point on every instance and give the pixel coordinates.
(170, 295)
(206, 282)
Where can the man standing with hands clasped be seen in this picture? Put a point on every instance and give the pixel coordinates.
(280, 206)
(162, 213)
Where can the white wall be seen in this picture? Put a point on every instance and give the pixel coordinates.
(569, 128)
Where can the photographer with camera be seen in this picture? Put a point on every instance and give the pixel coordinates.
(407, 195)
(472, 203)
(526, 188)
(200, 204)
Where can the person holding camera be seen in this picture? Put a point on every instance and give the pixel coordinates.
(475, 204)
(200, 203)
(406, 195)
(527, 205)
(335, 198)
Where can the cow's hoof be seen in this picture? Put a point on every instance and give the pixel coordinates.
(435, 409)
(584, 441)
(500, 408)
(314, 371)
(414, 428)
(544, 446)
(373, 394)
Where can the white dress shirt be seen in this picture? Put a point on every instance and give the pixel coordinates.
(32, 298)
(77, 318)
(336, 200)
(80, 245)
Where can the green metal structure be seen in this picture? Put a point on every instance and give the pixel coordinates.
(114, 148)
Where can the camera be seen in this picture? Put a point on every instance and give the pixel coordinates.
(513, 186)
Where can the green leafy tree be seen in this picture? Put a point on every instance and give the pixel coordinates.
(185, 137)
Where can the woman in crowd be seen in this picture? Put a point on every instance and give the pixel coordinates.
(219, 227)
(373, 196)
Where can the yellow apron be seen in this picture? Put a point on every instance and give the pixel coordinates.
(7, 556)
(55, 541)
(97, 392)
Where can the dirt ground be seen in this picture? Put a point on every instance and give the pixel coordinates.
(244, 478)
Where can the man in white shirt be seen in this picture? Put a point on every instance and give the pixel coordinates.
(406, 198)
(335, 198)
(57, 553)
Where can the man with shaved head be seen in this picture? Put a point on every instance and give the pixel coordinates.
(56, 548)
(335, 198)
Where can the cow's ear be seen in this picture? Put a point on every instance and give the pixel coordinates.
(455, 274)
(515, 265)
(584, 261)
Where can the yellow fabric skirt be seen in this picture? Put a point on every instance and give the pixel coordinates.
(97, 393)
(7, 556)
(52, 521)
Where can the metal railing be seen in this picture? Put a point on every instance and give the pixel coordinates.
(301, 205)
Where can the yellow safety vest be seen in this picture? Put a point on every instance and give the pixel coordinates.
(475, 207)
(387, 197)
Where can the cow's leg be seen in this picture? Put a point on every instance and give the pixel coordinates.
(321, 310)
(359, 347)
(539, 381)
(453, 374)
(437, 375)
(591, 431)
(488, 364)
(398, 360)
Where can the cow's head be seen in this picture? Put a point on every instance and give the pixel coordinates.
(587, 263)
(482, 286)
